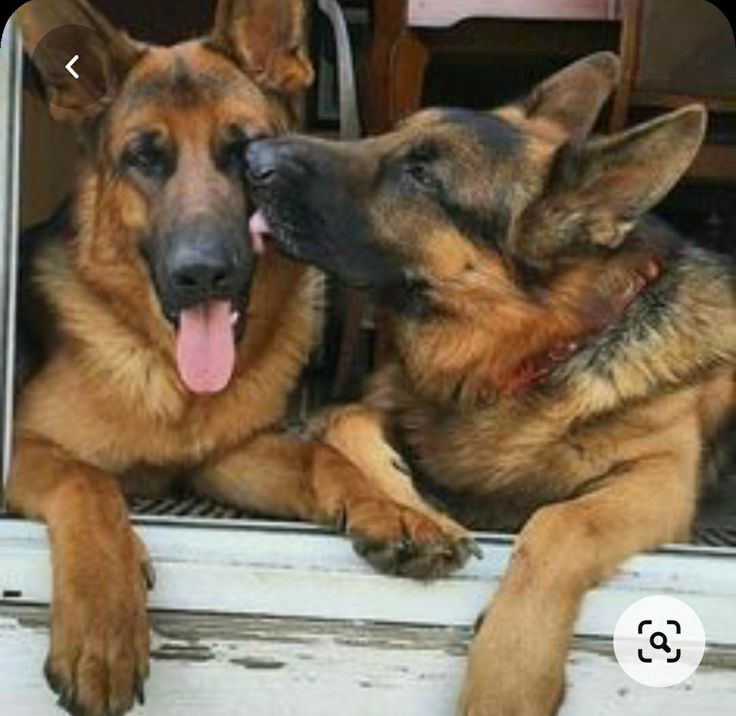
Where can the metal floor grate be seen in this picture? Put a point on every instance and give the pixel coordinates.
(188, 506)
(714, 535)
(711, 530)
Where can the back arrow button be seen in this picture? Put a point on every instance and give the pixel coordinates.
(68, 66)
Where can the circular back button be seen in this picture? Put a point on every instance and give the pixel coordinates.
(77, 65)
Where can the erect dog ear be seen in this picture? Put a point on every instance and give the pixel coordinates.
(598, 191)
(573, 97)
(109, 54)
(267, 39)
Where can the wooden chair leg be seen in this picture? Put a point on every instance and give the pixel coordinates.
(629, 51)
(408, 65)
(393, 78)
(392, 71)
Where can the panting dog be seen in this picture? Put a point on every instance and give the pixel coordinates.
(161, 342)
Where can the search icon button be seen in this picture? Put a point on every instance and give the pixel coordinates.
(658, 640)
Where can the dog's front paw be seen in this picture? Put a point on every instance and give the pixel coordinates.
(99, 655)
(396, 539)
(498, 683)
(482, 697)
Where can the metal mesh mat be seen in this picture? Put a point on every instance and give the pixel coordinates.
(190, 506)
(713, 529)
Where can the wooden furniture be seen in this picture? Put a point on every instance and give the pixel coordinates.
(666, 65)
(407, 32)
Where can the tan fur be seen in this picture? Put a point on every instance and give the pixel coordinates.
(605, 455)
(593, 472)
(108, 414)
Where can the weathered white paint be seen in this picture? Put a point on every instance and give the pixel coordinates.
(337, 638)
(289, 570)
(441, 13)
(230, 666)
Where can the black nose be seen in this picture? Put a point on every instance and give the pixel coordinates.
(200, 271)
(262, 159)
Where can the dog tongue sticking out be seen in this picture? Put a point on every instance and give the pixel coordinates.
(259, 231)
(205, 346)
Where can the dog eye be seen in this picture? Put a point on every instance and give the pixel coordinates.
(420, 175)
(146, 155)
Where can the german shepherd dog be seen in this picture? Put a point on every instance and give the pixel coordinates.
(172, 339)
(564, 364)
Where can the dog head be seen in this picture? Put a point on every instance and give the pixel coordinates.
(162, 206)
(454, 197)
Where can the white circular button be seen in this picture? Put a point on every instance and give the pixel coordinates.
(659, 641)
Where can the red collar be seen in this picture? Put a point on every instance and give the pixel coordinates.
(533, 370)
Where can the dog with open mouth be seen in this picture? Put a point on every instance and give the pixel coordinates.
(564, 363)
(161, 342)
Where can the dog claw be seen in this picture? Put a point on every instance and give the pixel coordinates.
(405, 549)
(51, 679)
(341, 521)
(478, 623)
(66, 699)
(140, 692)
(473, 548)
(149, 574)
(66, 693)
(362, 546)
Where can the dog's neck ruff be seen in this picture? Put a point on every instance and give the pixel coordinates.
(534, 369)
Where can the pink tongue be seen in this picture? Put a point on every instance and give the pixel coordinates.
(205, 347)
(259, 231)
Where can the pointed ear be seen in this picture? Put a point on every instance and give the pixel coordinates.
(596, 193)
(109, 53)
(573, 97)
(267, 39)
